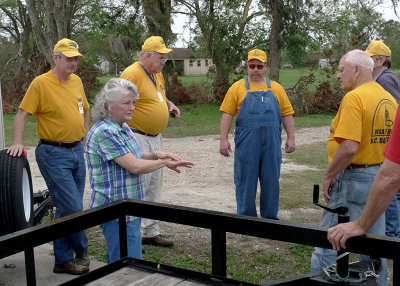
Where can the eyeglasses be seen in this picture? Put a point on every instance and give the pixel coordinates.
(253, 66)
(162, 60)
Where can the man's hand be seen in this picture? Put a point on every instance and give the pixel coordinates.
(225, 147)
(172, 108)
(290, 145)
(339, 234)
(328, 182)
(16, 150)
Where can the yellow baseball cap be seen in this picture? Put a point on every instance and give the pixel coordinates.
(156, 44)
(258, 55)
(378, 48)
(68, 48)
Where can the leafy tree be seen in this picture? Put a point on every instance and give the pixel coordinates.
(225, 30)
(389, 33)
(16, 27)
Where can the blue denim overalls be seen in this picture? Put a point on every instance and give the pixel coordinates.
(258, 153)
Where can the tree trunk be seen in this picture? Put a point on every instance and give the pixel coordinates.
(275, 40)
(158, 19)
(37, 31)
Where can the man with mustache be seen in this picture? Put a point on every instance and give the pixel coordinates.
(260, 106)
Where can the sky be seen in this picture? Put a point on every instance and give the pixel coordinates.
(183, 33)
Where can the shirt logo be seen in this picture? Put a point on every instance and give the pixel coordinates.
(382, 123)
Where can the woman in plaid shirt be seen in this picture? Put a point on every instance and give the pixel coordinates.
(116, 162)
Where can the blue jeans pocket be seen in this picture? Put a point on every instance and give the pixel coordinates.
(358, 191)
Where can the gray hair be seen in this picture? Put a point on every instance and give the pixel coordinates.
(59, 54)
(142, 54)
(109, 94)
(359, 57)
(388, 60)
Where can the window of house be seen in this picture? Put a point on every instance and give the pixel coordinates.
(199, 63)
(191, 63)
(206, 63)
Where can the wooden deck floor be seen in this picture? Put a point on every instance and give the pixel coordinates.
(130, 276)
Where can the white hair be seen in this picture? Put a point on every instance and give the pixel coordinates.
(359, 57)
(109, 94)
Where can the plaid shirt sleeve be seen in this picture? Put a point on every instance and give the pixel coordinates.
(111, 145)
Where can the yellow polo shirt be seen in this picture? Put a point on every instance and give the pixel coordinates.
(151, 111)
(237, 92)
(56, 107)
(366, 115)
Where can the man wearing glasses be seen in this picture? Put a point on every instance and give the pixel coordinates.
(152, 110)
(382, 74)
(260, 106)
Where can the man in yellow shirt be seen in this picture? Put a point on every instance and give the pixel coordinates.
(358, 135)
(57, 99)
(152, 111)
(260, 106)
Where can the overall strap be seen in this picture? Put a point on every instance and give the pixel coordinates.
(246, 80)
(268, 83)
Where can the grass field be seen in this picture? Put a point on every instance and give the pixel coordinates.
(196, 119)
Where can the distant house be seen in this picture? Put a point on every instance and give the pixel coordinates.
(319, 60)
(187, 62)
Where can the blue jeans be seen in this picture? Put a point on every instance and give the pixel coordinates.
(64, 172)
(351, 189)
(392, 219)
(111, 234)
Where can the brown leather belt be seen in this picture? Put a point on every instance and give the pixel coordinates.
(355, 166)
(60, 144)
(134, 130)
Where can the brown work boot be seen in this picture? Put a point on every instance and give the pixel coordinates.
(82, 259)
(70, 267)
(157, 240)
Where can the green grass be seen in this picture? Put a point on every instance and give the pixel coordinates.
(196, 119)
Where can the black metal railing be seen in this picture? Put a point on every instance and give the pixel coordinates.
(219, 223)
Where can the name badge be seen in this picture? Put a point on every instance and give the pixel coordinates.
(80, 107)
(160, 96)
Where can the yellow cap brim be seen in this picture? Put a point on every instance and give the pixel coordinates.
(369, 53)
(164, 51)
(70, 54)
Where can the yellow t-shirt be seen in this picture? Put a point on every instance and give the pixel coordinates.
(56, 107)
(151, 110)
(366, 115)
(237, 92)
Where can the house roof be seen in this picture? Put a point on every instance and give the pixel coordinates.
(184, 53)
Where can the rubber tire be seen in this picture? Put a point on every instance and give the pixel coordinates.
(16, 193)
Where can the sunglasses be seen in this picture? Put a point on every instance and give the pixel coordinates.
(253, 66)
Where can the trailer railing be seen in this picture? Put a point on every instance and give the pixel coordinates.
(219, 223)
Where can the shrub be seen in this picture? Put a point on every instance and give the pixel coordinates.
(312, 95)
(15, 80)
(177, 92)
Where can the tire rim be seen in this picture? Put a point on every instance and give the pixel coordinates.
(26, 194)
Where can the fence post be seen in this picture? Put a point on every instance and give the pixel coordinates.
(2, 138)
(123, 241)
(218, 252)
